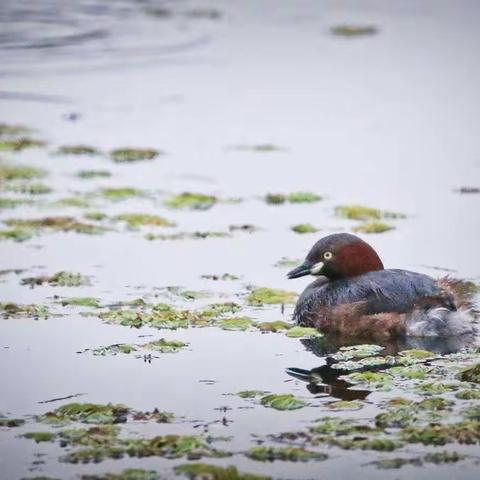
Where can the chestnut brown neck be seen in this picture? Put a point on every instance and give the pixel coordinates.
(355, 259)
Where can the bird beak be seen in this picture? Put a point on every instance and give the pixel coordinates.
(301, 271)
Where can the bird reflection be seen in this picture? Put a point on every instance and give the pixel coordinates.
(325, 378)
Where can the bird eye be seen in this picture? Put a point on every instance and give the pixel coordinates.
(327, 255)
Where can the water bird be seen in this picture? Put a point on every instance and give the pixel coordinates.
(355, 295)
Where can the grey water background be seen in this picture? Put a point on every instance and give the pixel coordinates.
(388, 120)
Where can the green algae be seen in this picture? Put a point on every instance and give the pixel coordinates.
(357, 351)
(353, 31)
(11, 422)
(276, 326)
(192, 201)
(288, 454)
(370, 379)
(434, 388)
(302, 332)
(251, 393)
(304, 228)
(282, 402)
(78, 149)
(167, 446)
(295, 197)
(59, 279)
(136, 220)
(235, 323)
(10, 309)
(81, 302)
(8, 129)
(10, 172)
(19, 144)
(345, 405)
(468, 395)
(270, 296)
(13, 202)
(96, 216)
(198, 471)
(16, 234)
(164, 318)
(470, 374)
(416, 354)
(467, 432)
(129, 155)
(361, 212)
(40, 437)
(90, 413)
(58, 224)
(78, 202)
(127, 474)
(27, 188)
(89, 174)
(374, 226)
(121, 193)
(165, 346)
(220, 309)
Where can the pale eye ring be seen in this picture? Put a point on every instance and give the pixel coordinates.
(327, 255)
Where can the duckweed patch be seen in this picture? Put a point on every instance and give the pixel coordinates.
(470, 374)
(40, 437)
(295, 197)
(27, 188)
(374, 226)
(270, 296)
(16, 234)
(10, 309)
(282, 402)
(90, 413)
(81, 302)
(192, 201)
(20, 172)
(21, 143)
(276, 326)
(127, 474)
(361, 212)
(353, 31)
(196, 471)
(78, 150)
(89, 174)
(59, 279)
(122, 193)
(129, 155)
(288, 454)
(235, 323)
(11, 422)
(136, 220)
(302, 332)
(52, 224)
(304, 228)
(167, 446)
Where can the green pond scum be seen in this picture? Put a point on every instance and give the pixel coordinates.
(191, 201)
(78, 149)
(129, 155)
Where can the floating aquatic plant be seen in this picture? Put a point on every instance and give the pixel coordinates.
(81, 302)
(289, 454)
(361, 212)
(196, 471)
(89, 174)
(235, 323)
(19, 172)
(193, 201)
(302, 332)
(270, 296)
(60, 223)
(304, 228)
(373, 226)
(135, 220)
(352, 31)
(77, 150)
(128, 155)
(59, 279)
(282, 402)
